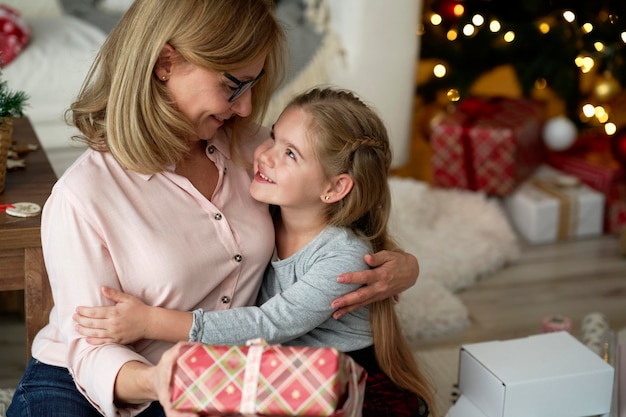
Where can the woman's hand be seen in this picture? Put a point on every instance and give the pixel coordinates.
(391, 273)
(124, 323)
(163, 378)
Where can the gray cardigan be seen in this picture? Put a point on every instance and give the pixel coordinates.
(294, 300)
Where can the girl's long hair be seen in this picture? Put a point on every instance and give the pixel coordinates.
(349, 137)
(125, 109)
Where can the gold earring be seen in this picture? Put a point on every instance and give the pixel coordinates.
(326, 197)
(164, 78)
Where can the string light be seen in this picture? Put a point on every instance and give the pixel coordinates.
(440, 70)
(495, 26)
(610, 128)
(452, 35)
(509, 36)
(588, 110)
(478, 20)
(569, 16)
(587, 28)
(469, 29)
(436, 19)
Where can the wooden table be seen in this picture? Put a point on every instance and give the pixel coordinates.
(21, 260)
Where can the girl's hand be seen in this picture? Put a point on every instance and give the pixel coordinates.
(124, 323)
(391, 273)
(163, 378)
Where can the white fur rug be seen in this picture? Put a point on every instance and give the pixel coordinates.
(458, 236)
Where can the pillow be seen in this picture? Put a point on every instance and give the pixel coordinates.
(14, 34)
(36, 8)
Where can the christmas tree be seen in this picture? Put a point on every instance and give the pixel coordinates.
(576, 48)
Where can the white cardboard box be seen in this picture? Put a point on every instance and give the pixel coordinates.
(545, 375)
(543, 213)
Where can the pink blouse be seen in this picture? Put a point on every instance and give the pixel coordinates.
(155, 237)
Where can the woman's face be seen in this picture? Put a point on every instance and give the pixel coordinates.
(203, 95)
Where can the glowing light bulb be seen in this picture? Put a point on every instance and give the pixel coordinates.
(459, 9)
(494, 26)
(440, 70)
(569, 16)
(469, 29)
(452, 35)
(544, 27)
(588, 110)
(436, 19)
(610, 128)
(478, 20)
(587, 27)
(599, 46)
(509, 36)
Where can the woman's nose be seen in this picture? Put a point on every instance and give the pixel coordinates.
(242, 106)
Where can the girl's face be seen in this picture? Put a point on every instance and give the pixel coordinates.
(203, 95)
(287, 172)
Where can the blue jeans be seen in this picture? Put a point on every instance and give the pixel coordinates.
(47, 390)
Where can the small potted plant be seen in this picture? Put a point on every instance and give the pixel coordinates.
(12, 105)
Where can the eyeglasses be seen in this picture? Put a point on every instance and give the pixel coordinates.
(242, 86)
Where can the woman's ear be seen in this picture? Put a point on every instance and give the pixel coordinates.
(339, 187)
(163, 66)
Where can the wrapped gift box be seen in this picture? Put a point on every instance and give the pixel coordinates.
(552, 206)
(615, 221)
(544, 375)
(487, 144)
(262, 380)
(591, 161)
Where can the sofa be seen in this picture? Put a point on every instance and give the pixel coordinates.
(363, 45)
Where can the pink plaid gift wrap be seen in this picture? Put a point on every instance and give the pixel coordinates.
(262, 380)
(487, 144)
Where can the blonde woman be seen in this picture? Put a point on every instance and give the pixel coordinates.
(324, 171)
(159, 206)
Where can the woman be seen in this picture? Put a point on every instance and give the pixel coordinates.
(159, 206)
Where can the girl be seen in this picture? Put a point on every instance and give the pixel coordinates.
(324, 171)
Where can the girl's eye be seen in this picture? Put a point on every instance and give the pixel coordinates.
(290, 154)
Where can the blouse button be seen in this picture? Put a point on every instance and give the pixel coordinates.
(225, 299)
(211, 149)
(237, 258)
(218, 216)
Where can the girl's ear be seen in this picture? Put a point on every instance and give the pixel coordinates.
(163, 66)
(338, 188)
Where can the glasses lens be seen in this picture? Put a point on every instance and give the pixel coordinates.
(243, 86)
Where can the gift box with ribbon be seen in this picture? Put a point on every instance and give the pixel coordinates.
(267, 380)
(590, 160)
(552, 206)
(490, 145)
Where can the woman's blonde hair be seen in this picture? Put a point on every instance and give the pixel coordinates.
(349, 137)
(123, 107)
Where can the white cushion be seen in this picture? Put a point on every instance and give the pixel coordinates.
(53, 65)
(36, 8)
(52, 68)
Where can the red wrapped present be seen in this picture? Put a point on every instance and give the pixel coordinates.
(487, 144)
(590, 160)
(263, 380)
(616, 210)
